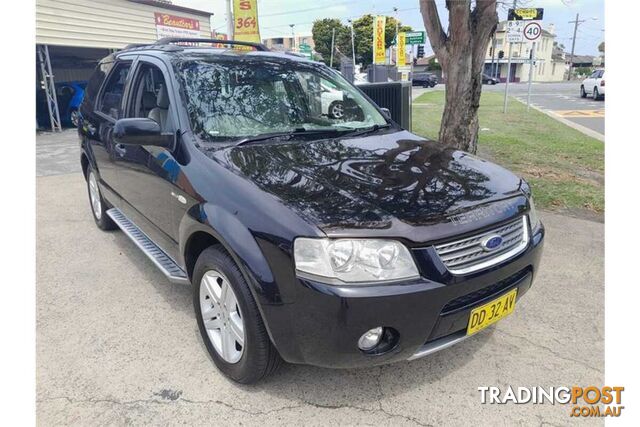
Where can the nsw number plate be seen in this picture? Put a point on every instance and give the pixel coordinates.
(491, 312)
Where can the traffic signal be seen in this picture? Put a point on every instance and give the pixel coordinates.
(420, 51)
(501, 54)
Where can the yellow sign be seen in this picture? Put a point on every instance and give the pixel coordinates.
(245, 21)
(379, 25)
(527, 13)
(401, 49)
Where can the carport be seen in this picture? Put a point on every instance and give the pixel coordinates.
(73, 35)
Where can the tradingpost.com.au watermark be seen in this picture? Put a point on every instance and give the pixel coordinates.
(588, 401)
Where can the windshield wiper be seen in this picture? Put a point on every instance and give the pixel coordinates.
(287, 134)
(364, 131)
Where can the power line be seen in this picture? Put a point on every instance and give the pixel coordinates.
(347, 17)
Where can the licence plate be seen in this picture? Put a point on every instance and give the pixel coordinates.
(491, 312)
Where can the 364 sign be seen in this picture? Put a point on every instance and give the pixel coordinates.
(245, 28)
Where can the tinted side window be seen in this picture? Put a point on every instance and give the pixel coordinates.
(93, 86)
(111, 102)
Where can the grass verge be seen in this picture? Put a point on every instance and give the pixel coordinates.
(564, 167)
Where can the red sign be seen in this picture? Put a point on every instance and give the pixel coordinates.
(174, 21)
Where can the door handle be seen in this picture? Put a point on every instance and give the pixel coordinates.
(120, 149)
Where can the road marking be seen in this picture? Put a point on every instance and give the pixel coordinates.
(579, 113)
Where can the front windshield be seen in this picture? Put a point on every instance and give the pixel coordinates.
(235, 99)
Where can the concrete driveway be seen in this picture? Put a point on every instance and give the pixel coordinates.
(118, 344)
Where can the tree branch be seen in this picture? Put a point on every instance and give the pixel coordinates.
(437, 36)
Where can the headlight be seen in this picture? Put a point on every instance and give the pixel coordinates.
(533, 215)
(354, 260)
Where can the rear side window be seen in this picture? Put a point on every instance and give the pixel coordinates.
(93, 86)
(111, 102)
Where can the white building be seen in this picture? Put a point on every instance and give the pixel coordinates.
(548, 67)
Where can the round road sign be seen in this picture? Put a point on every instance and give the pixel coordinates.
(532, 31)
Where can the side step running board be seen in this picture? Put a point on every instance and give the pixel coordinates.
(163, 261)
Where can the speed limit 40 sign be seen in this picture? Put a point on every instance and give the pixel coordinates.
(532, 31)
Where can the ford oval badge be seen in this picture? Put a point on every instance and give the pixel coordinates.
(492, 242)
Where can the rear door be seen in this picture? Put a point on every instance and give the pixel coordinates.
(108, 108)
(590, 82)
(147, 174)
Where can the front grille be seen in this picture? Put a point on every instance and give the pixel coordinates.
(471, 253)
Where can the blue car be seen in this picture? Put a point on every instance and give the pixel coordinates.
(69, 96)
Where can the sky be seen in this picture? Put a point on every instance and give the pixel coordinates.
(275, 16)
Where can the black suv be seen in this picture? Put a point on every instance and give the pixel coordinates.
(333, 242)
(424, 79)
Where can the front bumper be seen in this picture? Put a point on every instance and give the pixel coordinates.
(323, 323)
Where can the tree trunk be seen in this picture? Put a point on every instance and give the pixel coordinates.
(461, 53)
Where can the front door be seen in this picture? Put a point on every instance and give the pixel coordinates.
(147, 174)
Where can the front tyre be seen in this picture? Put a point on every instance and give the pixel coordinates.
(98, 205)
(583, 93)
(229, 321)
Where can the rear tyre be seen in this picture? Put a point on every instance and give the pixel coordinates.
(229, 321)
(75, 118)
(98, 205)
(583, 93)
(596, 94)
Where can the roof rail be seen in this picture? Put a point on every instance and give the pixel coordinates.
(171, 40)
(134, 45)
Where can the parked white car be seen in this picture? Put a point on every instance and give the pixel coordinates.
(332, 102)
(593, 85)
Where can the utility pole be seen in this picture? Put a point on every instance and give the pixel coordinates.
(333, 39)
(573, 41)
(229, 21)
(506, 85)
(493, 55)
(353, 46)
(395, 11)
(532, 58)
(293, 37)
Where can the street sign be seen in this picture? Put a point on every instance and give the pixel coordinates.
(305, 50)
(525, 14)
(515, 31)
(414, 37)
(532, 31)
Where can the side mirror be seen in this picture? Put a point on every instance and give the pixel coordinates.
(386, 112)
(141, 131)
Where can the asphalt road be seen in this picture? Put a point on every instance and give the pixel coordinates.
(118, 344)
(562, 100)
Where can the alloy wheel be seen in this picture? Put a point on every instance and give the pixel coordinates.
(337, 110)
(75, 117)
(94, 196)
(222, 316)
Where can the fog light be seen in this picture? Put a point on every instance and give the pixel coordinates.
(370, 339)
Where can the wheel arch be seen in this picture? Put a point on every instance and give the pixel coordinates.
(84, 164)
(205, 225)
